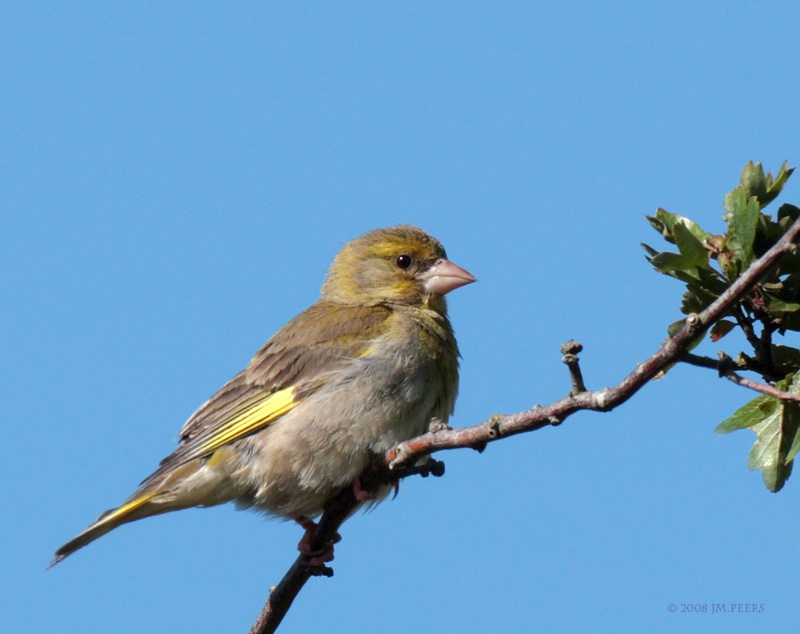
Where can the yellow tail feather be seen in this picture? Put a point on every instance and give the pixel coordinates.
(106, 522)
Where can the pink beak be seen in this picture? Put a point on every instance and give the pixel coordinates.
(444, 276)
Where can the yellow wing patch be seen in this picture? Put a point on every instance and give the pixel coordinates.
(249, 419)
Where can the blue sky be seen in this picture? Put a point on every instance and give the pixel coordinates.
(174, 181)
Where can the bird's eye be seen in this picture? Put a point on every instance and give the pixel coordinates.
(403, 261)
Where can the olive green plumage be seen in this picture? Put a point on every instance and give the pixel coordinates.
(370, 364)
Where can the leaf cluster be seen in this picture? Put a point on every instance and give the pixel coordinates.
(708, 264)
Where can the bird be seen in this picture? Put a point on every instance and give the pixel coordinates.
(372, 363)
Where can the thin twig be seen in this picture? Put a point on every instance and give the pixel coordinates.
(499, 426)
(746, 324)
(725, 367)
(764, 388)
(701, 362)
(570, 351)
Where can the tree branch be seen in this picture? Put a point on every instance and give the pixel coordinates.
(392, 466)
(606, 399)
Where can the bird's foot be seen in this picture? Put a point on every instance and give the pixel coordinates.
(316, 557)
(362, 495)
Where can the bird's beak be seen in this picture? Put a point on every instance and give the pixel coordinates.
(444, 276)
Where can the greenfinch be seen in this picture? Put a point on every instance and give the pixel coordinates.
(374, 362)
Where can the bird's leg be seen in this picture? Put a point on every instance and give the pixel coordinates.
(361, 494)
(316, 557)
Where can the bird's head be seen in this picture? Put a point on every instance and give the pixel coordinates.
(400, 265)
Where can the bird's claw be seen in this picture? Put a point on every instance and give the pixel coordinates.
(316, 557)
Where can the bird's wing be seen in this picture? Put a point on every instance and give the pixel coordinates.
(292, 365)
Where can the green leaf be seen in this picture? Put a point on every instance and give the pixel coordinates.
(665, 222)
(667, 261)
(650, 250)
(782, 299)
(696, 298)
(767, 234)
(754, 181)
(689, 246)
(788, 211)
(790, 322)
(688, 277)
(741, 214)
(709, 279)
(729, 267)
(675, 327)
(775, 424)
(785, 358)
(761, 185)
(770, 451)
(721, 328)
(776, 437)
(749, 414)
(794, 448)
(777, 185)
(777, 308)
(659, 226)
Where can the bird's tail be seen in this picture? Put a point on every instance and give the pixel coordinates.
(137, 507)
(199, 482)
